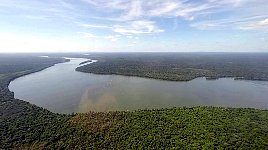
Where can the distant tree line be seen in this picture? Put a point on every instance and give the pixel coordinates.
(182, 66)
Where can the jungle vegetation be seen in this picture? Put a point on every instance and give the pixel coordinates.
(27, 126)
(182, 66)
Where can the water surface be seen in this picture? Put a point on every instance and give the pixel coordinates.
(61, 89)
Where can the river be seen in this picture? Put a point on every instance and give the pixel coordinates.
(62, 89)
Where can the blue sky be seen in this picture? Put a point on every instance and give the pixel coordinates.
(134, 25)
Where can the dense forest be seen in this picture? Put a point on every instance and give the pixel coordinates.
(26, 126)
(182, 66)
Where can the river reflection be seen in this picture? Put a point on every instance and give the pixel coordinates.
(61, 89)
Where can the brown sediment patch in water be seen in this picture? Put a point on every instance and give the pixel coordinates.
(100, 103)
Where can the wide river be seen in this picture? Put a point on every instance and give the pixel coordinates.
(61, 89)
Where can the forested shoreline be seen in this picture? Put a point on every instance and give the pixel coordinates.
(182, 66)
(27, 126)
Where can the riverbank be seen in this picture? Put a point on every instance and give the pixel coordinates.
(181, 67)
(7, 77)
(85, 92)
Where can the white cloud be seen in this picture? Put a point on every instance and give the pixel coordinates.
(93, 26)
(87, 35)
(112, 38)
(163, 8)
(130, 28)
(137, 27)
(255, 25)
(243, 23)
(135, 10)
(263, 22)
(235, 3)
(140, 9)
(111, 4)
(122, 19)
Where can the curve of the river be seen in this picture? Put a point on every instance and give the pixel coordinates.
(61, 89)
